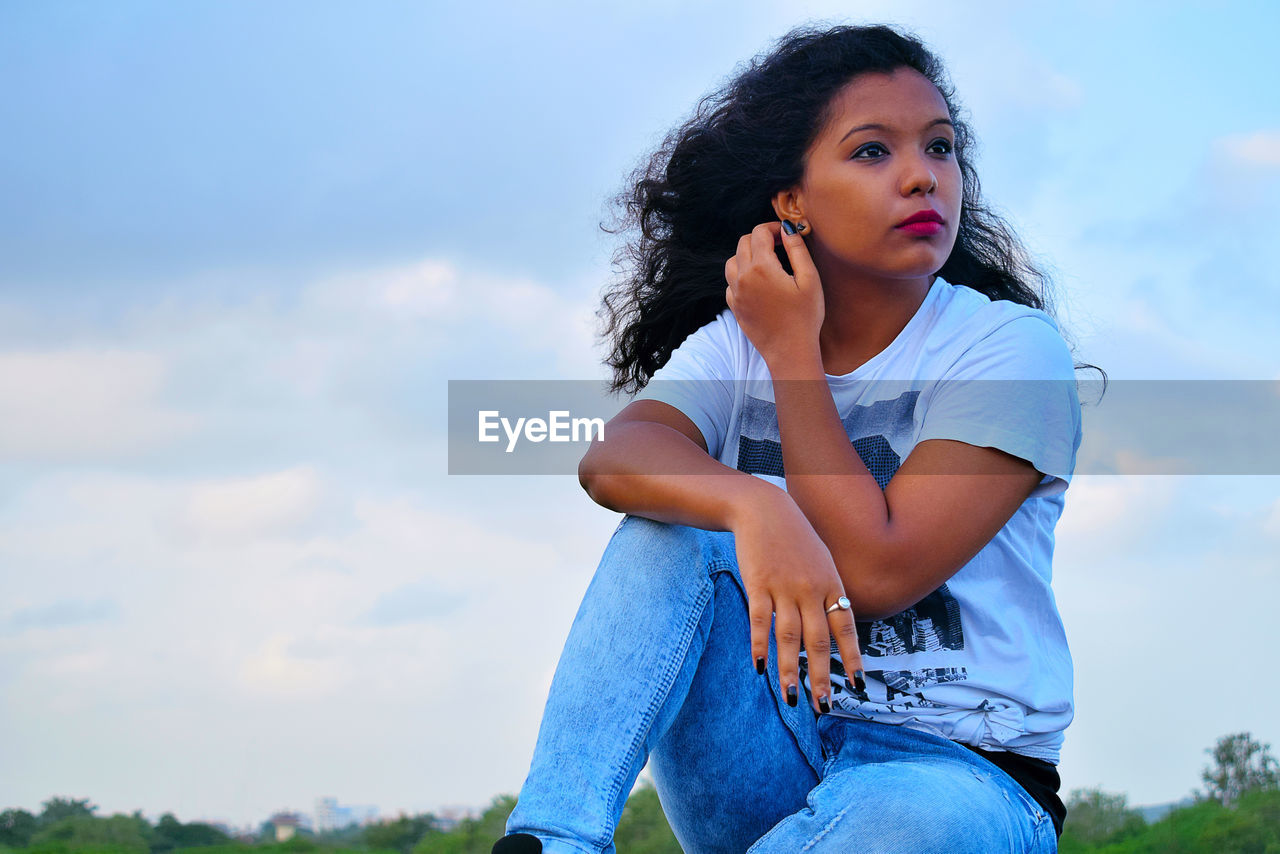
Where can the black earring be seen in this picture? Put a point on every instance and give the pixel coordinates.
(801, 226)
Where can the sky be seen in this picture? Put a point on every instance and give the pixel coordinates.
(244, 248)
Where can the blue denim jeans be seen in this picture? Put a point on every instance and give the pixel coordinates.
(658, 667)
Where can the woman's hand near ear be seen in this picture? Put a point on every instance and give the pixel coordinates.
(780, 313)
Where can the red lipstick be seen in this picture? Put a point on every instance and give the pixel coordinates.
(927, 221)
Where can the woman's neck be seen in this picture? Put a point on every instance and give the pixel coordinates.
(864, 318)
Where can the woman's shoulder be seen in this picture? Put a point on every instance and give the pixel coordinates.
(994, 331)
(719, 348)
(962, 305)
(720, 333)
(723, 327)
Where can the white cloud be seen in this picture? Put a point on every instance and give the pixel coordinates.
(245, 593)
(1105, 512)
(1096, 503)
(460, 308)
(67, 611)
(83, 403)
(1260, 148)
(81, 663)
(1133, 463)
(254, 635)
(426, 288)
(272, 670)
(1271, 523)
(248, 507)
(412, 603)
(1015, 79)
(348, 355)
(430, 287)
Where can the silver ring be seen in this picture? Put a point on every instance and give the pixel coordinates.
(842, 604)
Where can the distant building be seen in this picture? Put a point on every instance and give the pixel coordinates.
(331, 815)
(286, 825)
(328, 815)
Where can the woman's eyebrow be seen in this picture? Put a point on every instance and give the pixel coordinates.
(874, 126)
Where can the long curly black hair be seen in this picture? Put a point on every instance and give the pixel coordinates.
(714, 177)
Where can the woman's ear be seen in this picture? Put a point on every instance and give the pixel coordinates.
(787, 205)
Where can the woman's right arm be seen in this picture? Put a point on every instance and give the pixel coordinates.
(653, 462)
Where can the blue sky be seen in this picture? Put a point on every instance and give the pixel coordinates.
(243, 248)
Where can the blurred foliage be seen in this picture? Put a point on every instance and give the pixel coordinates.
(472, 835)
(16, 828)
(1252, 827)
(171, 835)
(1240, 764)
(643, 828)
(119, 834)
(56, 809)
(1096, 817)
(402, 834)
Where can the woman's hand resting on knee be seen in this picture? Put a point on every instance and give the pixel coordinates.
(791, 581)
(655, 464)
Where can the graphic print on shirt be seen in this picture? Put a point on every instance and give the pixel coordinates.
(872, 429)
(929, 626)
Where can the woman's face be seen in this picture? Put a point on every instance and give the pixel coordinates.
(861, 182)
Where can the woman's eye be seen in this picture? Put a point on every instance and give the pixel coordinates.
(873, 146)
(946, 146)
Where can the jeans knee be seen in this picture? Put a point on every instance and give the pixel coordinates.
(642, 547)
(661, 539)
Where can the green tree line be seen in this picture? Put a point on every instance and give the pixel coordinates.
(1237, 812)
(70, 826)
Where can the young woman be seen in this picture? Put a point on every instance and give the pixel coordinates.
(826, 618)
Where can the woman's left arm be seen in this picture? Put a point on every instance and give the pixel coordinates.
(946, 501)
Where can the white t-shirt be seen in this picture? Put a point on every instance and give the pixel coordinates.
(983, 659)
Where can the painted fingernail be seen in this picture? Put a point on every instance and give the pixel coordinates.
(788, 226)
(793, 696)
(859, 682)
(823, 705)
(760, 665)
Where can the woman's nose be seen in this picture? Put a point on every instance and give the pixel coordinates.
(920, 178)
